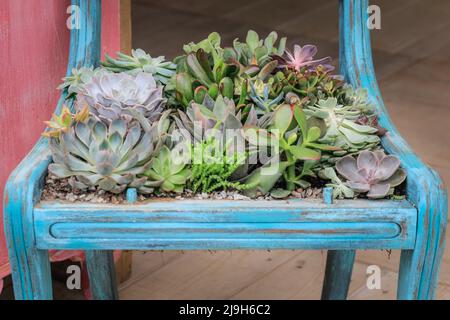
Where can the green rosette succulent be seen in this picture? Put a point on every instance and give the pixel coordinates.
(140, 61)
(214, 166)
(342, 129)
(168, 172)
(110, 156)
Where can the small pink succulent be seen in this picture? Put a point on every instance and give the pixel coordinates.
(373, 172)
(303, 57)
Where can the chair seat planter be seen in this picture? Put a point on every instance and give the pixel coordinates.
(416, 225)
(217, 224)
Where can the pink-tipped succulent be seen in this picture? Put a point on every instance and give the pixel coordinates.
(374, 173)
(303, 57)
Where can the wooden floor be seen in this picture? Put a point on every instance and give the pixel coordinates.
(412, 57)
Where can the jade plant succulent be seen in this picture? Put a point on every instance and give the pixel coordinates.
(374, 173)
(110, 94)
(204, 75)
(167, 172)
(296, 139)
(108, 156)
(140, 61)
(257, 52)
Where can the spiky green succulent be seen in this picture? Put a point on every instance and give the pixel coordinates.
(213, 167)
(110, 156)
(140, 61)
(169, 172)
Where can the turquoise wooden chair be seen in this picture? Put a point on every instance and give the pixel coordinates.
(415, 226)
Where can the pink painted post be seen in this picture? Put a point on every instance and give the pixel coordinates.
(34, 48)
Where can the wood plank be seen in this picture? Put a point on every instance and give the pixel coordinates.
(209, 275)
(410, 23)
(288, 279)
(147, 262)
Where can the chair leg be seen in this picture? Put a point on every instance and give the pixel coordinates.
(338, 274)
(418, 275)
(102, 274)
(31, 274)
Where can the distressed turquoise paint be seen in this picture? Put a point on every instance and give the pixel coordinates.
(102, 274)
(203, 224)
(131, 195)
(338, 273)
(328, 195)
(417, 228)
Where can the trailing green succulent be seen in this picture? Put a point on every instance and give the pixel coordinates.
(167, 172)
(140, 61)
(107, 156)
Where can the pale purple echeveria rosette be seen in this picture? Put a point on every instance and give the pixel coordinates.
(373, 172)
(111, 95)
(303, 57)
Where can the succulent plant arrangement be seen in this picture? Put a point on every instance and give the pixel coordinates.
(253, 117)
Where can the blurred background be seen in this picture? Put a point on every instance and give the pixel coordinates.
(412, 62)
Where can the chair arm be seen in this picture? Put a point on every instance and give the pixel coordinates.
(24, 187)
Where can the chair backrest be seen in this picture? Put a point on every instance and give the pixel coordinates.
(34, 58)
(85, 39)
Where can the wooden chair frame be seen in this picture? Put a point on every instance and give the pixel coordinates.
(415, 226)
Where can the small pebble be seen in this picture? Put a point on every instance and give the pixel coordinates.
(60, 189)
